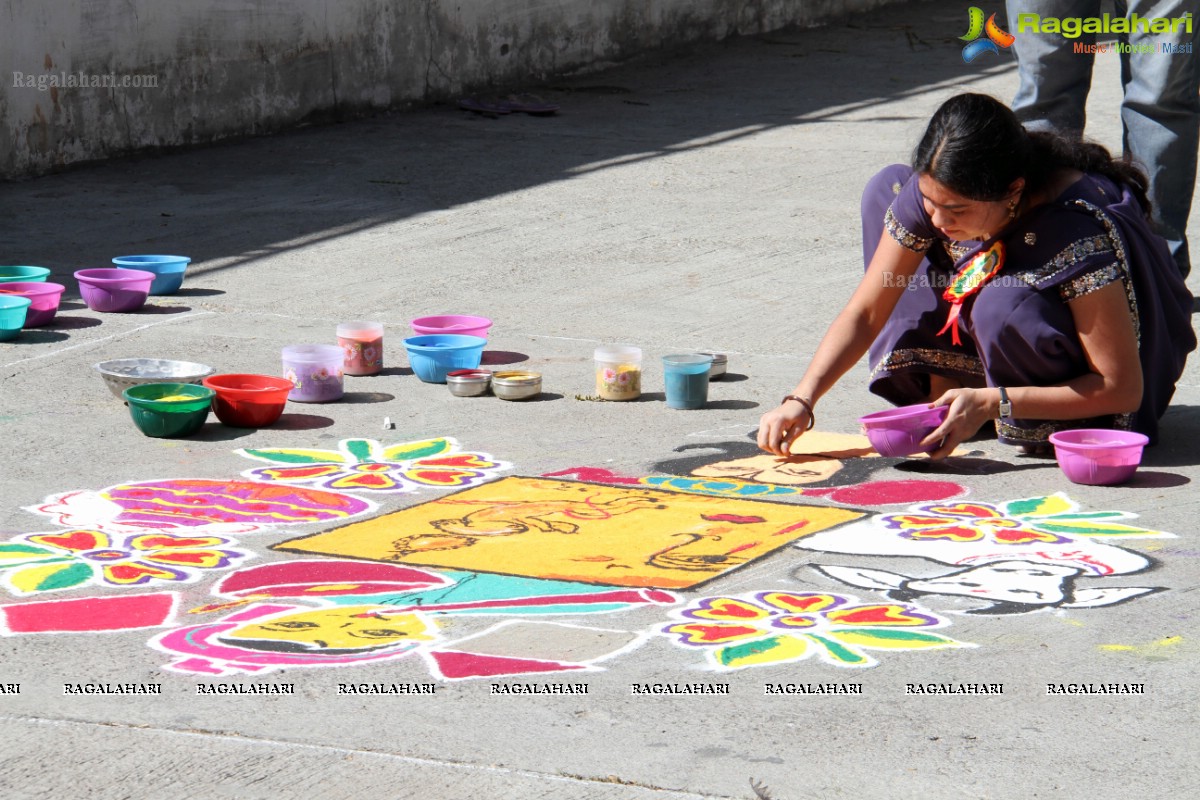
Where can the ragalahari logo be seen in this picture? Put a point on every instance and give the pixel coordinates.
(997, 37)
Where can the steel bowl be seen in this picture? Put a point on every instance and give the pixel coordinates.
(122, 373)
(516, 384)
(469, 382)
(720, 362)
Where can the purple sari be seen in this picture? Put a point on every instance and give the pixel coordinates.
(1018, 329)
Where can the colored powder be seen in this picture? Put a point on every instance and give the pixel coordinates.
(176, 398)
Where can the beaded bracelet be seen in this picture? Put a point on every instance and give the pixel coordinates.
(812, 417)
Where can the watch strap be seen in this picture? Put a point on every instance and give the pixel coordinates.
(1005, 403)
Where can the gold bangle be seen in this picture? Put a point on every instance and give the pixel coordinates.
(812, 416)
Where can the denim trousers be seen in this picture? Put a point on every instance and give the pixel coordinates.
(1160, 110)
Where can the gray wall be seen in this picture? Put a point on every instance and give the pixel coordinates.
(194, 71)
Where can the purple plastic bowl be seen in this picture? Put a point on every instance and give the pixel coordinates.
(43, 296)
(1097, 456)
(114, 290)
(898, 432)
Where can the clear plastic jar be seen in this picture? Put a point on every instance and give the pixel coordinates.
(362, 344)
(315, 370)
(618, 372)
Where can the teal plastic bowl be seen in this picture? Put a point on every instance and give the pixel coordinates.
(434, 356)
(13, 309)
(169, 418)
(8, 274)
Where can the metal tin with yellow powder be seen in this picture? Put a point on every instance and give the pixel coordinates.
(516, 384)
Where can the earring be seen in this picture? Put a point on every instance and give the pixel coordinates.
(1012, 208)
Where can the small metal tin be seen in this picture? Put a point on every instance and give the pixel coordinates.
(516, 384)
(719, 362)
(468, 382)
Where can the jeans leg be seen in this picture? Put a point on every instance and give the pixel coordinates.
(1054, 80)
(1160, 115)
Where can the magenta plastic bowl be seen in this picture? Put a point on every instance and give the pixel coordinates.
(43, 296)
(899, 431)
(461, 324)
(114, 290)
(1097, 456)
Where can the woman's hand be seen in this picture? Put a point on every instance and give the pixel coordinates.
(969, 410)
(777, 429)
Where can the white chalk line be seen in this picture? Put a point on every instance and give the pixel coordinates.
(90, 342)
(344, 751)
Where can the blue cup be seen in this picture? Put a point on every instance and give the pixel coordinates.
(686, 379)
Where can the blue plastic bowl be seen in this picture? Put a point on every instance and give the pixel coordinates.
(434, 355)
(12, 315)
(26, 274)
(168, 270)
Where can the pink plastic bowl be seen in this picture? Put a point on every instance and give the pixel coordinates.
(462, 324)
(114, 290)
(899, 431)
(1098, 457)
(43, 296)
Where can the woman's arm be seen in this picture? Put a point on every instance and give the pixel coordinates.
(1113, 386)
(848, 338)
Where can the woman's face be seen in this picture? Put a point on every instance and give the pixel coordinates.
(341, 628)
(958, 218)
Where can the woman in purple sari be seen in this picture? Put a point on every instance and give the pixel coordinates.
(1013, 277)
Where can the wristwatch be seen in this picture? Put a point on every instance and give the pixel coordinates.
(1005, 404)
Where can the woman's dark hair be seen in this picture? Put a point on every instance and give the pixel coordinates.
(976, 147)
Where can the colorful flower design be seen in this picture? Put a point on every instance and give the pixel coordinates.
(776, 627)
(1054, 519)
(202, 506)
(47, 562)
(367, 465)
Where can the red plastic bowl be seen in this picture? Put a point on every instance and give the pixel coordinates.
(248, 401)
(898, 432)
(1098, 456)
(44, 298)
(114, 290)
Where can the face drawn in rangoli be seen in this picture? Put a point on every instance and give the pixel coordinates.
(708, 549)
(505, 518)
(278, 635)
(343, 630)
(1021, 556)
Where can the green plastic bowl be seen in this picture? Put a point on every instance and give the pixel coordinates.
(168, 419)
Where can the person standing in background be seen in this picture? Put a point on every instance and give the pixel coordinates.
(1160, 112)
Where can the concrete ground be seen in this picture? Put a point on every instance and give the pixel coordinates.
(705, 200)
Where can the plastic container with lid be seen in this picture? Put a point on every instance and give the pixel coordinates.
(362, 343)
(315, 371)
(618, 372)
